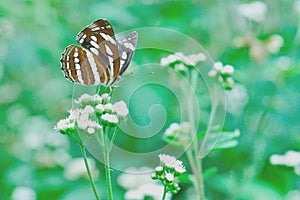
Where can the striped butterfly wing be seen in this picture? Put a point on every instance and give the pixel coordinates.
(127, 46)
(102, 59)
(81, 66)
(99, 39)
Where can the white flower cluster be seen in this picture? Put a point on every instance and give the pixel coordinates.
(111, 113)
(181, 61)
(169, 169)
(80, 118)
(223, 74)
(139, 186)
(255, 11)
(177, 134)
(172, 163)
(260, 49)
(290, 159)
(87, 99)
(90, 119)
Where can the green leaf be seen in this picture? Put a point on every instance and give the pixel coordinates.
(227, 140)
(209, 172)
(186, 178)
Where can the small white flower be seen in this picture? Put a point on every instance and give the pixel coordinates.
(255, 11)
(180, 67)
(104, 107)
(274, 44)
(172, 162)
(170, 177)
(192, 59)
(227, 69)
(159, 168)
(87, 97)
(195, 58)
(120, 108)
(167, 160)
(85, 124)
(64, 124)
(108, 106)
(75, 114)
(218, 66)
(171, 59)
(110, 118)
(230, 81)
(213, 73)
(172, 128)
(81, 114)
(180, 169)
(23, 193)
(91, 130)
(100, 107)
(105, 97)
(88, 110)
(290, 159)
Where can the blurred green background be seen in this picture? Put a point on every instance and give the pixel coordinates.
(35, 94)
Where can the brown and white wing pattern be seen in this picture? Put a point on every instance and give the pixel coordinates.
(83, 67)
(99, 38)
(102, 58)
(127, 47)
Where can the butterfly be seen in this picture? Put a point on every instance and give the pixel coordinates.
(102, 59)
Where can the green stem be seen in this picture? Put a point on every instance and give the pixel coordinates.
(89, 172)
(107, 167)
(196, 163)
(165, 193)
(113, 138)
(200, 179)
(209, 127)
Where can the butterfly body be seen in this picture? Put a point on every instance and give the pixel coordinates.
(102, 59)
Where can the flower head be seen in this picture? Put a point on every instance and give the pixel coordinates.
(168, 172)
(223, 74)
(255, 11)
(88, 99)
(120, 108)
(109, 119)
(179, 57)
(170, 177)
(177, 134)
(290, 159)
(64, 124)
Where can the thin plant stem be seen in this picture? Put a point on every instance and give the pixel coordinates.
(165, 193)
(200, 178)
(196, 164)
(212, 116)
(89, 171)
(113, 138)
(107, 167)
